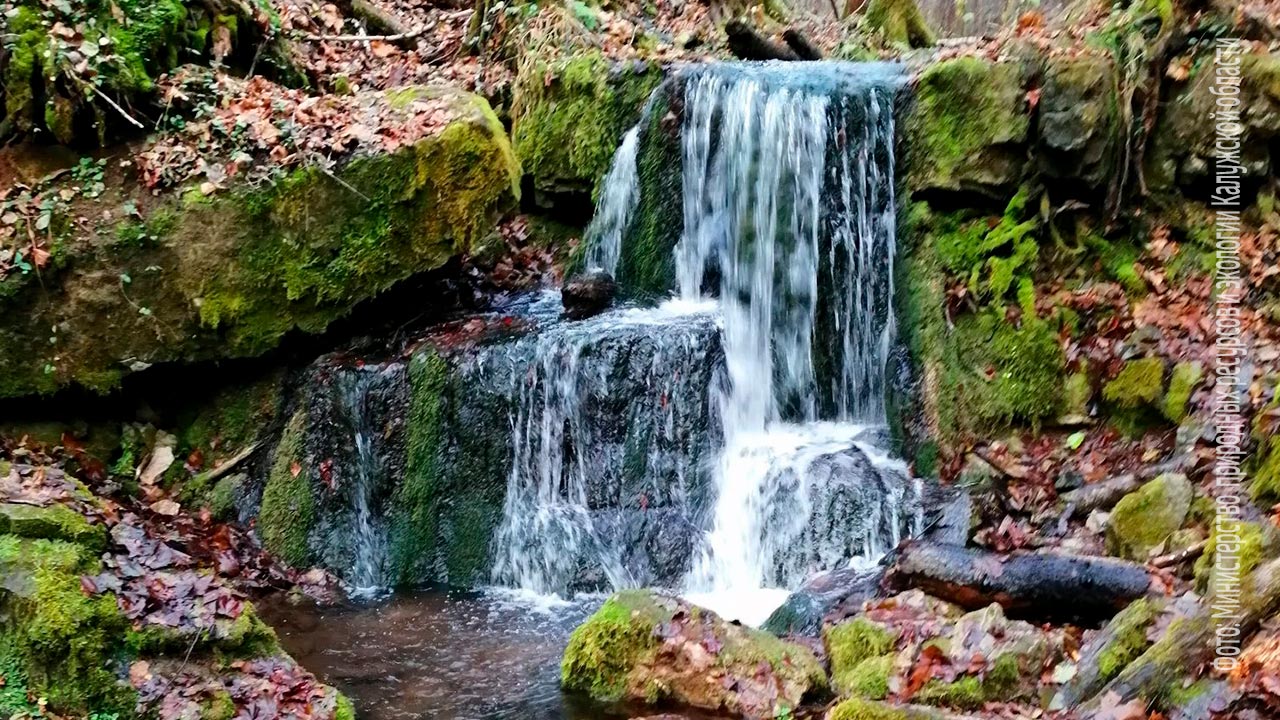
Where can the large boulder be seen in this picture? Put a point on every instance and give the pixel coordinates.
(1182, 148)
(967, 130)
(651, 648)
(135, 279)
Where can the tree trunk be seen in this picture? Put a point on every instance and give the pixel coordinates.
(1043, 586)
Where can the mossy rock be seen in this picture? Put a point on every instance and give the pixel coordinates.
(1135, 394)
(650, 648)
(54, 522)
(1145, 518)
(1182, 382)
(66, 642)
(1249, 543)
(1079, 116)
(899, 22)
(1182, 142)
(850, 645)
(288, 506)
(967, 130)
(229, 275)
(569, 113)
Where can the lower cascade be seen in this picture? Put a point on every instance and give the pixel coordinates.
(728, 441)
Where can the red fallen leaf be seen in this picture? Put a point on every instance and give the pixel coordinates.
(326, 473)
(295, 468)
(195, 460)
(1033, 98)
(88, 586)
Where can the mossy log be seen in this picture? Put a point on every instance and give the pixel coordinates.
(747, 44)
(1033, 585)
(1188, 641)
(1108, 652)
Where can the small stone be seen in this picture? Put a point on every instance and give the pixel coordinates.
(587, 294)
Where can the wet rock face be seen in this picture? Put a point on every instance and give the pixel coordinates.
(650, 648)
(587, 294)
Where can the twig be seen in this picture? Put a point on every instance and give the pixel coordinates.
(229, 465)
(364, 38)
(1177, 558)
(119, 109)
(343, 183)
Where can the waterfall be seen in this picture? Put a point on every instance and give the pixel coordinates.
(789, 225)
(608, 417)
(621, 192)
(360, 404)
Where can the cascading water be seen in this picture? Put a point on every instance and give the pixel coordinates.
(609, 417)
(788, 207)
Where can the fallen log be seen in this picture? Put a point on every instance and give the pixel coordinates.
(1188, 640)
(1041, 586)
(801, 45)
(747, 44)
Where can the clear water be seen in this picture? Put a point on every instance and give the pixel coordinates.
(443, 656)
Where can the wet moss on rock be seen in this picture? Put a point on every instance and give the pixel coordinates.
(415, 514)
(851, 643)
(53, 522)
(603, 650)
(968, 128)
(569, 114)
(1182, 382)
(288, 504)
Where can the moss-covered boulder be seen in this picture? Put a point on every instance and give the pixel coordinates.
(899, 22)
(861, 653)
(1135, 394)
(288, 511)
(194, 277)
(967, 130)
(1145, 518)
(1077, 137)
(651, 648)
(569, 113)
(1182, 143)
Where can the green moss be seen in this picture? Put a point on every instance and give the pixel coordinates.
(344, 710)
(288, 507)
(222, 497)
(568, 115)
(245, 636)
(1077, 392)
(868, 679)
(859, 709)
(293, 255)
(849, 644)
(1128, 630)
(965, 693)
(55, 522)
(414, 519)
(1135, 395)
(603, 650)
(219, 707)
(1143, 519)
(1183, 380)
(1140, 383)
(1248, 541)
(969, 117)
(900, 22)
(66, 640)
